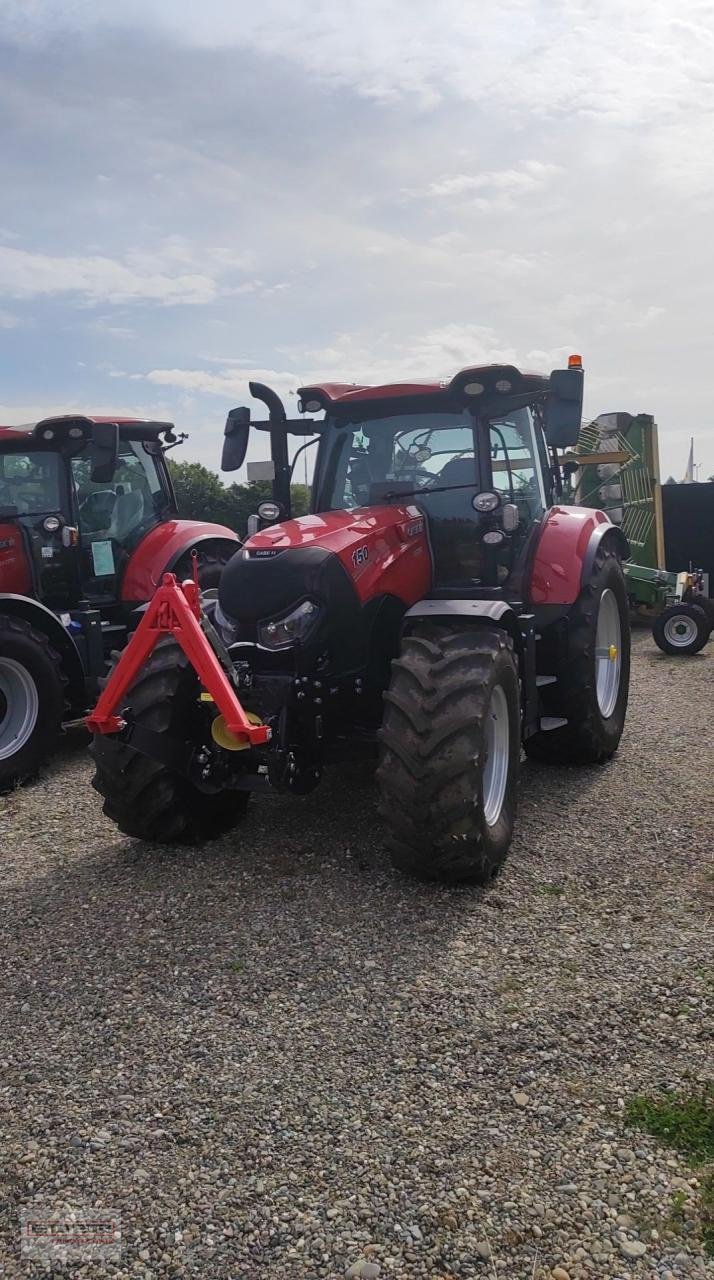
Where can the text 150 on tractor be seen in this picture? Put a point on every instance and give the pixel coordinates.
(88, 524)
(437, 599)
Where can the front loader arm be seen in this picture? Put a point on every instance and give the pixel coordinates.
(175, 610)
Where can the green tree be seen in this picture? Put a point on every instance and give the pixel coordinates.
(202, 495)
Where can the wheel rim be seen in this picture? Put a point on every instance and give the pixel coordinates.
(680, 631)
(19, 707)
(608, 653)
(496, 756)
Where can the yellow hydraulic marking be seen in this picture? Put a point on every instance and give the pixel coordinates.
(206, 697)
(612, 652)
(230, 741)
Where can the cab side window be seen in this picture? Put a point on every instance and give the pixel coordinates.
(30, 482)
(515, 464)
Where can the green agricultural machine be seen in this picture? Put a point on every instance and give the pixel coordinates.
(615, 466)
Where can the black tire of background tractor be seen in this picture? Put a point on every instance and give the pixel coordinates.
(31, 649)
(588, 737)
(142, 796)
(432, 753)
(210, 566)
(694, 614)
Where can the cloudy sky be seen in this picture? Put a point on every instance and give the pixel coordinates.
(194, 194)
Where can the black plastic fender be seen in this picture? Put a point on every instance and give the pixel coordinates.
(614, 534)
(43, 619)
(497, 612)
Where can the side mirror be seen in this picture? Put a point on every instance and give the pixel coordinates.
(235, 444)
(103, 452)
(564, 407)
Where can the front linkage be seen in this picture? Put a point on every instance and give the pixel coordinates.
(176, 611)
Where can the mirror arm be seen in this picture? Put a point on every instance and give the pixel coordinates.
(302, 449)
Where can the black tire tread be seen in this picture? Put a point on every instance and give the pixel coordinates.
(44, 742)
(574, 697)
(704, 628)
(144, 798)
(430, 755)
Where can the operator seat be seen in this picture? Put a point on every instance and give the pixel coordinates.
(127, 514)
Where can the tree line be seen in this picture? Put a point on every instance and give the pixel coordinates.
(202, 495)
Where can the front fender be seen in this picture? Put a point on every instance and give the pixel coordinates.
(162, 548)
(565, 552)
(498, 612)
(43, 619)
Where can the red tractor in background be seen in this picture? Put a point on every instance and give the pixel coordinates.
(437, 600)
(87, 527)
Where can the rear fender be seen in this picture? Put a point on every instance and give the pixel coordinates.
(565, 551)
(494, 612)
(43, 619)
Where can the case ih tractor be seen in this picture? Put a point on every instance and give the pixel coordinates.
(87, 527)
(438, 600)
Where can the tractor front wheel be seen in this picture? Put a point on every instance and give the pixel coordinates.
(142, 796)
(450, 749)
(592, 686)
(683, 628)
(31, 700)
(211, 563)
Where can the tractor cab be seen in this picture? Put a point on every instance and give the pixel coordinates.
(482, 486)
(84, 492)
(473, 456)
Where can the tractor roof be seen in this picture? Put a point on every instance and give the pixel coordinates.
(62, 422)
(490, 378)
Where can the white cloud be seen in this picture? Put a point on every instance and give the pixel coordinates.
(499, 188)
(175, 273)
(97, 279)
(437, 353)
(636, 63)
(8, 320)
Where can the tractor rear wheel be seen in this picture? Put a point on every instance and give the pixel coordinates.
(142, 796)
(681, 629)
(592, 688)
(450, 749)
(31, 700)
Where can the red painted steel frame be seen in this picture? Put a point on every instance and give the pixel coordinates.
(174, 610)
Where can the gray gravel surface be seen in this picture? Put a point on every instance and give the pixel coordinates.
(278, 1059)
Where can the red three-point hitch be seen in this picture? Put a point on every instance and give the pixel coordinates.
(174, 610)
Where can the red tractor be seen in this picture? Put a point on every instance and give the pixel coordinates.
(437, 601)
(87, 527)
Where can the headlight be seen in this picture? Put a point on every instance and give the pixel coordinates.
(485, 502)
(270, 512)
(280, 633)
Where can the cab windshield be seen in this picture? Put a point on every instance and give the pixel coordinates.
(382, 459)
(124, 508)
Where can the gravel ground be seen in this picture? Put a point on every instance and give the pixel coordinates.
(279, 1059)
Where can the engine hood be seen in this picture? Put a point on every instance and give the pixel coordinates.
(336, 530)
